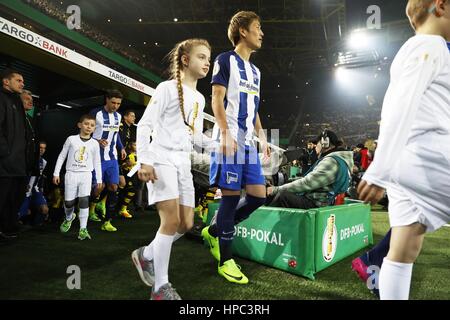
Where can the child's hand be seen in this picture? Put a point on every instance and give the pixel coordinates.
(147, 173)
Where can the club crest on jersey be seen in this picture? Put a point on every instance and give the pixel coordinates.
(232, 177)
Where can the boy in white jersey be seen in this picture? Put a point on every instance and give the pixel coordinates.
(174, 121)
(235, 101)
(83, 156)
(412, 159)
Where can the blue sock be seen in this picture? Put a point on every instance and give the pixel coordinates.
(111, 203)
(225, 225)
(379, 252)
(246, 206)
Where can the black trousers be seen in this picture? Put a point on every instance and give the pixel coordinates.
(286, 199)
(12, 194)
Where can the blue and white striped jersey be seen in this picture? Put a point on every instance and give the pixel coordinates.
(107, 127)
(242, 80)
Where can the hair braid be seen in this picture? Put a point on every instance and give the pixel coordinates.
(176, 67)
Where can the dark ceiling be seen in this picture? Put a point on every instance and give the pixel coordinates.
(301, 39)
(299, 34)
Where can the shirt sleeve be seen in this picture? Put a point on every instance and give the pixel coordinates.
(62, 157)
(322, 175)
(119, 143)
(4, 149)
(412, 74)
(201, 140)
(221, 70)
(97, 163)
(148, 122)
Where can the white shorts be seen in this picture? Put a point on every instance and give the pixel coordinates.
(420, 191)
(175, 181)
(77, 184)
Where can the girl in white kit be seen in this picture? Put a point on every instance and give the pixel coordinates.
(174, 121)
(83, 156)
(413, 156)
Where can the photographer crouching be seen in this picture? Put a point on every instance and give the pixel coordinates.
(328, 177)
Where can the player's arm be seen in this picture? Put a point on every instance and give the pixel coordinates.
(61, 158)
(121, 148)
(227, 143)
(262, 137)
(220, 80)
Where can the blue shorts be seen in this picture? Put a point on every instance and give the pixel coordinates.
(36, 199)
(234, 173)
(110, 172)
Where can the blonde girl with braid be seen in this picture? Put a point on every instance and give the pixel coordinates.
(174, 121)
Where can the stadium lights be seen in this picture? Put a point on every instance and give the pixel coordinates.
(359, 39)
(342, 75)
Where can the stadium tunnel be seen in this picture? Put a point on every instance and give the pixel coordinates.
(62, 90)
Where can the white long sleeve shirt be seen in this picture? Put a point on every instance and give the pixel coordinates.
(82, 156)
(416, 108)
(163, 121)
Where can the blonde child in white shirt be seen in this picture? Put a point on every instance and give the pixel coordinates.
(83, 156)
(412, 159)
(174, 120)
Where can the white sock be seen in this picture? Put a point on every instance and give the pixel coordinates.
(148, 251)
(83, 216)
(162, 245)
(68, 212)
(395, 280)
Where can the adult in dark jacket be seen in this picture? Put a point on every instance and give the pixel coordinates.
(13, 155)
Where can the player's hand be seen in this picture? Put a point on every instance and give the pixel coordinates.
(103, 143)
(228, 146)
(147, 173)
(269, 191)
(369, 193)
(99, 187)
(56, 180)
(123, 154)
(266, 150)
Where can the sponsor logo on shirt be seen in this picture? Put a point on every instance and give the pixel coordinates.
(110, 127)
(248, 87)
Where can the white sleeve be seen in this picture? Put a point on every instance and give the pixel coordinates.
(200, 139)
(416, 70)
(62, 157)
(148, 122)
(97, 163)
